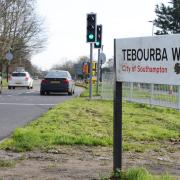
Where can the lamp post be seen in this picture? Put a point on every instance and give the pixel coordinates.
(152, 27)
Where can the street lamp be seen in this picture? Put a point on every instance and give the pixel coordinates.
(152, 27)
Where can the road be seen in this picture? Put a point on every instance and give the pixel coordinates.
(20, 106)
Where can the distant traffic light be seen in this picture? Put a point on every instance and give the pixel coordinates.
(91, 27)
(98, 42)
(94, 65)
(85, 68)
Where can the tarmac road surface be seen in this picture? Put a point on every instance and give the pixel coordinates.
(20, 106)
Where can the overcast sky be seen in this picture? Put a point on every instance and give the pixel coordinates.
(66, 25)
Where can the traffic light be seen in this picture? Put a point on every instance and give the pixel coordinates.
(98, 42)
(85, 68)
(91, 27)
(94, 64)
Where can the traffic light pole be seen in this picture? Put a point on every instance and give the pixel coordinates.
(91, 59)
(98, 73)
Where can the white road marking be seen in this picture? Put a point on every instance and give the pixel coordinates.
(25, 104)
(27, 92)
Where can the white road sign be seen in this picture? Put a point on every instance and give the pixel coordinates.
(102, 58)
(9, 56)
(154, 59)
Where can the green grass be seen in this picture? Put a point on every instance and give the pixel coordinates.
(137, 174)
(86, 92)
(4, 82)
(84, 122)
(145, 94)
(6, 163)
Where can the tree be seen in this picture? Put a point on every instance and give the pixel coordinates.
(69, 65)
(168, 18)
(20, 29)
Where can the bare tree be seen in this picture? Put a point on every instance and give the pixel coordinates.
(20, 29)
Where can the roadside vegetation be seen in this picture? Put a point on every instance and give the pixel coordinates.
(6, 163)
(5, 83)
(137, 174)
(81, 121)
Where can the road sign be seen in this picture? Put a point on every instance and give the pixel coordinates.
(78, 69)
(102, 58)
(9, 56)
(148, 59)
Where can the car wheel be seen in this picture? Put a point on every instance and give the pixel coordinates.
(28, 87)
(42, 93)
(70, 93)
(9, 87)
(13, 87)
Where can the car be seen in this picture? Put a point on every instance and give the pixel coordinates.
(20, 79)
(35, 78)
(57, 81)
(0, 84)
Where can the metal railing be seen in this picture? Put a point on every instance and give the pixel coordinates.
(152, 94)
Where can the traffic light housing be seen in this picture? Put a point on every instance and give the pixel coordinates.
(85, 68)
(94, 67)
(91, 27)
(98, 42)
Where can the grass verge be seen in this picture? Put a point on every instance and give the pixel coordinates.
(5, 83)
(84, 122)
(137, 174)
(6, 163)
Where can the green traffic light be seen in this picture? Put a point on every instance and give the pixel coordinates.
(97, 43)
(91, 36)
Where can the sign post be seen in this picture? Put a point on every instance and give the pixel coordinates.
(9, 57)
(117, 126)
(154, 60)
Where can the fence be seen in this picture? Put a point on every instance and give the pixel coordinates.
(153, 94)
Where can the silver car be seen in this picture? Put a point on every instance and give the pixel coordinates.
(57, 81)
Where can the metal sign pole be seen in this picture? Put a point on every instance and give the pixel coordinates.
(91, 59)
(98, 72)
(7, 71)
(117, 138)
(9, 57)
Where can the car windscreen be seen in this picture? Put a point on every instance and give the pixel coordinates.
(19, 74)
(56, 74)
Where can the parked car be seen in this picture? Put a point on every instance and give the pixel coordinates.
(20, 79)
(57, 81)
(0, 84)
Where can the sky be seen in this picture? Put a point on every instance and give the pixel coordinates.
(65, 23)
